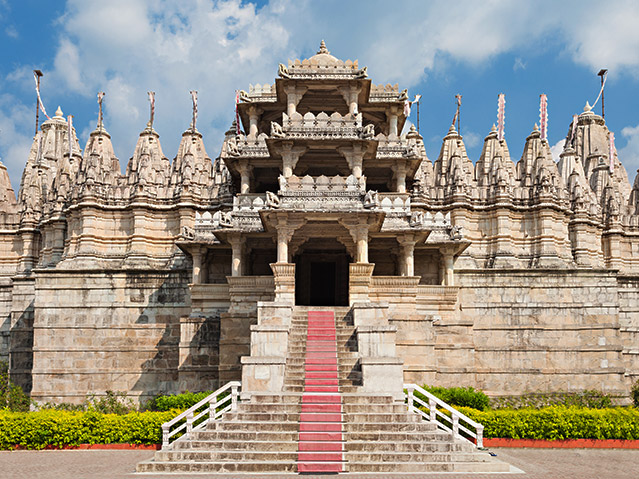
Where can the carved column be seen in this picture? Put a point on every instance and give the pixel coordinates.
(407, 265)
(237, 244)
(399, 169)
(290, 156)
(254, 116)
(392, 121)
(197, 253)
(293, 96)
(447, 267)
(354, 156)
(245, 176)
(351, 94)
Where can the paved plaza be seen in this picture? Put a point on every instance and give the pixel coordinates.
(536, 464)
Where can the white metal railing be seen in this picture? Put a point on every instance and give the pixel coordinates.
(192, 419)
(449, 423)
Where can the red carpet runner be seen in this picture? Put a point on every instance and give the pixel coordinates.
(320, 441)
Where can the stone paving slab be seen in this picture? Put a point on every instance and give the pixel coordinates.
(536, 464)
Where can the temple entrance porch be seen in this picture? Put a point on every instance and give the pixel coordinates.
(321, 274)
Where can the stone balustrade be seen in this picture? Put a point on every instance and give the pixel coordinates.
(249, 202)
(321, 126)
(394, 202)
(336, 184)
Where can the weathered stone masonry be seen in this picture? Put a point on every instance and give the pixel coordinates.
(510, 277)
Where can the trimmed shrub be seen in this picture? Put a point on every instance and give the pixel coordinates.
(634, 393)
(458, 397)
(179, 401)
(588, 399)
(51, 428)
(558, 422)
(12, 397)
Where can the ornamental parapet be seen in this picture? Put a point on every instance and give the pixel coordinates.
(295, 184)
(387, 93)
(240, 146)
(318, 68)
(259, 94)
(227, 221)
(322, 126)
(395, 147)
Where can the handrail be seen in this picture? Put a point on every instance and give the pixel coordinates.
(209, 414)
(434, 414)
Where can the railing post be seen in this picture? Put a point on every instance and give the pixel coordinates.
(432, 409)
(233, 398)
(212, 411)
(165, 436)
(480, 436)
(409, 391)
(455, 424)
(189, 424)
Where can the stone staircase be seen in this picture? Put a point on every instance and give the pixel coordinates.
(321, 423)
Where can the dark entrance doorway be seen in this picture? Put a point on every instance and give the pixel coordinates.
(322, 290)
(321, 275)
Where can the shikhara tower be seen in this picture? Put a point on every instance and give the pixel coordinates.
(510, 277)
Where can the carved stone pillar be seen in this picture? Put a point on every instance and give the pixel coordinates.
(447, 267)
(245, 176)
(254, 116)
(351, 94)
(290, 156)
(407, 265)
(399, 169)
(197, 253)
(354, 156)
(362, 244)
(285, 227)
(293, 96)
(392, 122)
(237, 244)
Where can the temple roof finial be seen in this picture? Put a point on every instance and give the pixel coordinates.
(58, 113)
(587, 108)
(323, 48)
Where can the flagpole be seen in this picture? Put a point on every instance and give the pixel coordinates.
(602, 74)
(417, 117)
(38, 75)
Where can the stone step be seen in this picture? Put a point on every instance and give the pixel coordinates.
(413, 457)
(225, 455)
(410, 445)
(221, 467)
(428, 467)
(195, 445)
(213, 438)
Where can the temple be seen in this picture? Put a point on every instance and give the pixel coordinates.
(184, 275)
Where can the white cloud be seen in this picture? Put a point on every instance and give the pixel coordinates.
(11, 32)
(557, 149)
(629, 154)
(14, 137)
(471, 139)
(519, 64)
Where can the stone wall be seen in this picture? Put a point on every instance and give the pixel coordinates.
(538, 330)
(98, 331)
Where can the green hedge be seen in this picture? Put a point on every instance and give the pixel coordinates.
(458, 396)
(558, 422)
(178, 401)
(51, 428)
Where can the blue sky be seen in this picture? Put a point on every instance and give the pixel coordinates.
(436, 49)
